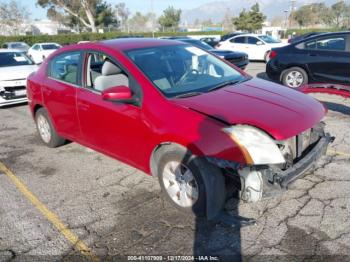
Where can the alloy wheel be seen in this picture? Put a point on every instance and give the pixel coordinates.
(44, 128)
(294, 79)
(180, 184)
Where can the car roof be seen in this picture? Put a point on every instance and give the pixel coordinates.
(18, 42)
(48, 43)
(321, 35)
(136, 43)
(10, 50)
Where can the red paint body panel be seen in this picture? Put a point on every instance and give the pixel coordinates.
(332, 89)
(280, 111)
(131, 133)
(117, 93)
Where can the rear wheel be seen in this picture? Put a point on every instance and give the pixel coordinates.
(294, 77)
(46, 130)
(185, 178)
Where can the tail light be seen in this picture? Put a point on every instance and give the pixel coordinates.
(272, 54)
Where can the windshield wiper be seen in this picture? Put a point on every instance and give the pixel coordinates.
(227, 83)
(188, 94)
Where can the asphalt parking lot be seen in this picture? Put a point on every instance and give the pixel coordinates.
(71, 201)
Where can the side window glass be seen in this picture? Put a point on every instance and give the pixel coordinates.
(329, 44)
(36, 47)
(332, 44)
(310, 45)
(64, 67)
(238, 40)
(103, 73)
(252, 40)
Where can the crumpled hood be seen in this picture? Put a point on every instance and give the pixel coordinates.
(278, 110)
(16, 72)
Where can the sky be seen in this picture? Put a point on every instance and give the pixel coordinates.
(133, 5)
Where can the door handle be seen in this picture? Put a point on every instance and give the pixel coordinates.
(312, 54)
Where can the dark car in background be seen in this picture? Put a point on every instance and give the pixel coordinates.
(212, 41)
(239, 59)
(318, 59)
(304, 36)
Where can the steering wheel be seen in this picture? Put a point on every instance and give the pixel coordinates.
(193, 72)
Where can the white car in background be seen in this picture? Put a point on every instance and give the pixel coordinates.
(258, 47)
(40, 51)
(15, 67)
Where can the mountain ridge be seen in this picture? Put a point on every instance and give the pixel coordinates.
(216, 10)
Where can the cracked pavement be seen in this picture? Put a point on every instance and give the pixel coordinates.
(118, 210)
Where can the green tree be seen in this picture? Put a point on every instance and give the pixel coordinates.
(170, 19)
(123, 14)
(338, 14)
(82, 10)
(105, 15)
(12, 14)
(251, 20)
(141, 23)
(312, 14)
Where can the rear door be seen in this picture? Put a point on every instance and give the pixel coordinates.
(256, 48)
(329, 59)
(59, 91)
(238, 44)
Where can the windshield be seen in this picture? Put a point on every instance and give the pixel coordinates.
(19, 45)
(14, 59)
(183, 69)
(269, 39)
(199, 44)
(50, 46)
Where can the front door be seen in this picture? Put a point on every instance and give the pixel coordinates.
(113, 128)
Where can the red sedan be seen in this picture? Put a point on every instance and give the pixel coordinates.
(179, 114)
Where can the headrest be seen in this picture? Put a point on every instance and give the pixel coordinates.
(109, 68)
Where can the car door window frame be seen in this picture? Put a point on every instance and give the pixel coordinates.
(133, 84)
(79, 68)
(257, 40)
(233, 40)
(303, 45)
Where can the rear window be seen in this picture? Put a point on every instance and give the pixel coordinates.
(335, 43)
(50, 46)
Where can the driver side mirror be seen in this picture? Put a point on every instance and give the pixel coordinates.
(121, 94)
(259, 43)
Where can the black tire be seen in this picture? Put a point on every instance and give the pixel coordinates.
(302, 72)
(55, 140)
(203, 172)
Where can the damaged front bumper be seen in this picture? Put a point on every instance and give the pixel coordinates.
(283, 178)
(261, 181)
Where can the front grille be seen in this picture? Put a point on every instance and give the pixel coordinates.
(13, 92)
(295, 147)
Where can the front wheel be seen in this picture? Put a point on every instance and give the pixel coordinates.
(46, 130)
(294, 77)
(189, 183)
